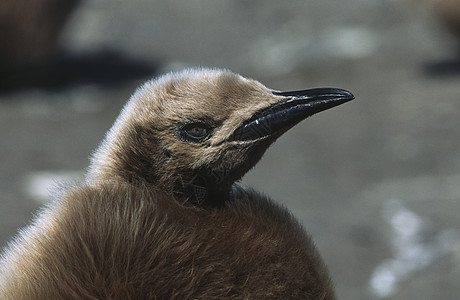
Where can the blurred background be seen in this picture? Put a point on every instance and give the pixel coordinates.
(376, 181)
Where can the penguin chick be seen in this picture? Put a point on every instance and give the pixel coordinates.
(160, 217)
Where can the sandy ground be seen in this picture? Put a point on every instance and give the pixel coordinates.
(376, 181)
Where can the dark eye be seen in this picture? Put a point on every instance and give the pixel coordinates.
(196, 132)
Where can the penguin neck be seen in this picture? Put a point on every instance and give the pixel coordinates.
(205, 194)
(200, 191)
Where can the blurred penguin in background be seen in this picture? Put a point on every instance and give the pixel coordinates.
(29, 31)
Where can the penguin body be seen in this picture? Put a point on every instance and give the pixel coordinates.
(117, 241)
(160, 215)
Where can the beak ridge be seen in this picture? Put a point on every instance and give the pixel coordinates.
(318, 94)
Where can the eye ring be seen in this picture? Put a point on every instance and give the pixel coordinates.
(195, 131)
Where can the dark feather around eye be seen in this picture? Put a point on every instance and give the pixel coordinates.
(196, 132)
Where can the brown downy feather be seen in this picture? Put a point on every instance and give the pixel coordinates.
(160, 217)
(117, 241)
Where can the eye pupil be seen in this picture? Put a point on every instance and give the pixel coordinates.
(197, 131)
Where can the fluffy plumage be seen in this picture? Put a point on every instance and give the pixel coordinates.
(160, 216)
(116, 241)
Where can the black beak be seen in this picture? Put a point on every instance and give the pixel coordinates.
(296, 106)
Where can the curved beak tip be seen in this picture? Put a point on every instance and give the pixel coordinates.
(348, 95)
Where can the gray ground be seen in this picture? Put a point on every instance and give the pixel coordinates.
(376, 181)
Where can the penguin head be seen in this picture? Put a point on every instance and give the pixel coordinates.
(196, 132)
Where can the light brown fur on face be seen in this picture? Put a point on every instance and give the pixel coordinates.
(144, 145)
(159, 216)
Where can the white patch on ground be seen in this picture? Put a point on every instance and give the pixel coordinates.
(351, 42)
(412, 252)
(82, 99)
(39, 185)
(283, 51)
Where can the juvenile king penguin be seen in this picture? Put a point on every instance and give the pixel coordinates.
(160, 215)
